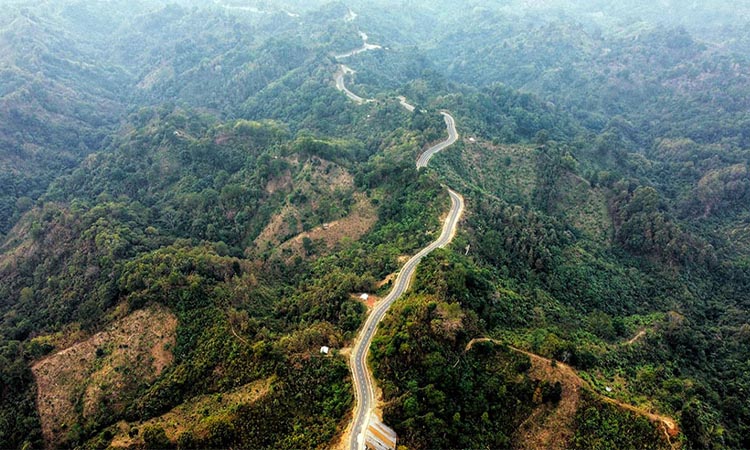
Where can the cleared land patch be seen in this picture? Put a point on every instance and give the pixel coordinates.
(195, 416)
(99, 376)
(350, 214)
(554, 427)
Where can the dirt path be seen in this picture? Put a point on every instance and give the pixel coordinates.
(551, 427)
(636, 338)
(241, 339)
(542, 436)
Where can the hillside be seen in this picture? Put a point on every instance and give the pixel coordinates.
(190, 210)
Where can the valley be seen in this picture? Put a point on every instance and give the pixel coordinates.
(245, 224)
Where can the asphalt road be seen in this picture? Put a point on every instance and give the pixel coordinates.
(450, 122)
(344, 70)
(365, 47)
(363, 382)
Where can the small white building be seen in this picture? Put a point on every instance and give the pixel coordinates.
(324, 350)
(364, 297)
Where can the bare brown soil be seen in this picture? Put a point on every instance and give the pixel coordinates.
(548, 427)
(103, 370)
(341, 441)
(552, 428)
(353, 227)
(19, 246)
(636, 338)
(321, 180)
(280, 183)
(371, 301)
(277, 226)
(191, 415)
(390, 278)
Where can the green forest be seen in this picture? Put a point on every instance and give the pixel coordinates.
(194, 161)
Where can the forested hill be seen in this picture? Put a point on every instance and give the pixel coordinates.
(72, 71)
(190, 210)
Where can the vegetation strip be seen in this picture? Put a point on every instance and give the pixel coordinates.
(363, 381)
(669, 426)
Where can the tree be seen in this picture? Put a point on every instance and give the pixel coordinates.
(155, 438)
(308, 245)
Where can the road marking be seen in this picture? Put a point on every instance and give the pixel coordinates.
(364, 383)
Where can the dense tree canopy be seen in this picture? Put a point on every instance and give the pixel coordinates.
(198, 157)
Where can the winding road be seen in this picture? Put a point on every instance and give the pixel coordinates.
(344, 70)
(365, 47)
(364, 384)
(450, 122)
